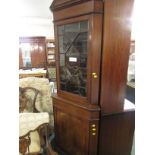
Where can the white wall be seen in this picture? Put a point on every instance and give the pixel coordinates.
(35, 18)
(34, 26)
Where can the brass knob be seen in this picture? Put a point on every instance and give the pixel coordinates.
(93, 125)
(94, 129)
(93, 134)
(94, 75)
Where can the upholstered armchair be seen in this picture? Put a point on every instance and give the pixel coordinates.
(31, 139)
(43, 101)
(33, 125)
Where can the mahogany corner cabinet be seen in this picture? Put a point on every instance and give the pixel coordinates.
(92, 44)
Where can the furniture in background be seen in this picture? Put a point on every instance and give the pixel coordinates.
(51, 67)
(92, 40)
(32, 52)
(33, 127)
(41, 72)
(50, 50)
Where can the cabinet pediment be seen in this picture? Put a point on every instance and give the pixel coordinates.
(59, 4)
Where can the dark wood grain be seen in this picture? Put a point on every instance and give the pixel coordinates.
(68, 136)
(37, 52)
(80, 9)
(31, 39)
(116, 46)
(116, 133)
(73, 127)
(20, 58)
(94, 57)
(62, 4)
(38, 55)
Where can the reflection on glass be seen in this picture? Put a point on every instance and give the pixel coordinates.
(130, 89)
(131, 65)
(26, 55)
(73, 40)
(62, 59)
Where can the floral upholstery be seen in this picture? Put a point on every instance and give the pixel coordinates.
(27, 99)
(28, 122)
(44, 101)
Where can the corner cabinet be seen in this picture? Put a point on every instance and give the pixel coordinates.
(78, 68)
(79, 35)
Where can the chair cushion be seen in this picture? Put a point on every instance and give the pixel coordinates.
(29, 122)
(44, 101)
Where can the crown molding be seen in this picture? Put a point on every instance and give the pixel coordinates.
(61, 4)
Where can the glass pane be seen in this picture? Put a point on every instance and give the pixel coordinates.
(26, 56)
(84, 26)
(61, 30)
(130, 85)
(73, 57)
(130, 89)
(62, 59)
(61, 44)
(72, 28)
(131, 65)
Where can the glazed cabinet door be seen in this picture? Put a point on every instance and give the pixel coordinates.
(78, 43)
(78, 36)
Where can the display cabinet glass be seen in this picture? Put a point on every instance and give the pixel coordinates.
(73, 40)
(26, 54)
(130, 88)
(131, 65)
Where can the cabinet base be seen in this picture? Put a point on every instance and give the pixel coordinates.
(116, 133)
(76, 127)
